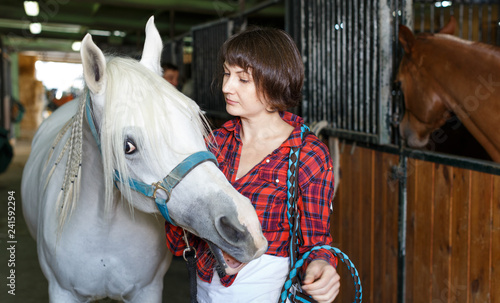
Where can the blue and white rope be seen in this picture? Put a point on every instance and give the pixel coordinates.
(292, 181)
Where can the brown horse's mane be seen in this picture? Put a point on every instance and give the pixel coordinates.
(450, 41)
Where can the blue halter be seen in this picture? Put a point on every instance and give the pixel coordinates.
(168, 183)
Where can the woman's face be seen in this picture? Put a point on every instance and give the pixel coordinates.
(241, 95)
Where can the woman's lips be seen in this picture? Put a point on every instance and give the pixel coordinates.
(230, 102)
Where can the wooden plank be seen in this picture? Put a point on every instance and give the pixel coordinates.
(378, 225)
(357, 172)
(336, 216)
(411, 192)
(441, 248)
(459, 236)
(423, 231)
(345, 211)
(480, 229)
(495, 241)
(385, 228)
(367, 241)
(391, 227)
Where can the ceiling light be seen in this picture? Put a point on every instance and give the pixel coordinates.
(119, 34)
(35, 28)
(97, 32)
(31, 8)
(443, 3)
(76, 46)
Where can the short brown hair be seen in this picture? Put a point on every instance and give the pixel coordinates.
(274, 60)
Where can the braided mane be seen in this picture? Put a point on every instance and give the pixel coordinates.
(133, 93)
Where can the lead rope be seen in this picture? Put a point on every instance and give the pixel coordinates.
(291, 289)
(189, 255)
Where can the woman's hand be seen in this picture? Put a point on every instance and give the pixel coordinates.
(322, 282)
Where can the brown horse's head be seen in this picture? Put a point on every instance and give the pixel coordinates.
(424, 107)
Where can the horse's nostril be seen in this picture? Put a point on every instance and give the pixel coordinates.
(233, 232)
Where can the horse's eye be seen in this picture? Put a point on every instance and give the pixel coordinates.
(130, 147)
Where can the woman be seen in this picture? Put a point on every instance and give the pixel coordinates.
(262, 77)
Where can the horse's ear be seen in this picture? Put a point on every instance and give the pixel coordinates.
(450, 27)
(94, 65)
(406, 38)
(151, 54)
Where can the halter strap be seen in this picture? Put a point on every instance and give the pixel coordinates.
(168, 183)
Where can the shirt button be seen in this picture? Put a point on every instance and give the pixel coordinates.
(277, 181)
(231, 171)
(267, 160)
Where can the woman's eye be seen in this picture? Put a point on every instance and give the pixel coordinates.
(225, 74)
(244, 81)
(130, 147)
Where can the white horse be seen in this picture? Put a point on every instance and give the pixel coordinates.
(86, 193)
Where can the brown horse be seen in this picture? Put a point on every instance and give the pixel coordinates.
(441, 74)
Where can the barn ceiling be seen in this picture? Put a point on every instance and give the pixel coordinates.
(118, 24)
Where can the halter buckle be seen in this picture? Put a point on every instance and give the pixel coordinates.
(157, 186)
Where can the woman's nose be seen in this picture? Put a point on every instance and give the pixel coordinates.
(227, 86)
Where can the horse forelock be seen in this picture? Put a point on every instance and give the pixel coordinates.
(137, 98)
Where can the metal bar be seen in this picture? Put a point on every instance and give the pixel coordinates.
(350, 135)
(375, 68)
(304, 21)
(471, 15)
(338, 73)
(312, 63)
(330, 67)
(348, 69)
(431, 8)
(480, 22)
(439, 158)
(358, 73)
(385, 85)
(498, 25)
(322, 55)
(422, 17)
(447, 159)
(441, 18)
(489, 22)
(362, 71)
(343, 58)
(461, 20)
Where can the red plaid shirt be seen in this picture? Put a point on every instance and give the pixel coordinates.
(265, 186)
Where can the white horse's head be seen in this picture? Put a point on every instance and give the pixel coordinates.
(146, 127)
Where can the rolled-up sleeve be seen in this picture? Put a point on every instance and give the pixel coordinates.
(315, 201)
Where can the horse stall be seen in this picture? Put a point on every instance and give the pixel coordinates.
(419, 224)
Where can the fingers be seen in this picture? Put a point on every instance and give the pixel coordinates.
(322, 282)
(314, 271)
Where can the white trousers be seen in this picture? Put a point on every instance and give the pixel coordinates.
(260, 281)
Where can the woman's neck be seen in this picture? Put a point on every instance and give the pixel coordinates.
(263, 127)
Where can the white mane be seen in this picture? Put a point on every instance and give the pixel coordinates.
(134, 96)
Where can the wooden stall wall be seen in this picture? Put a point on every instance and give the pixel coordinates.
(453, 234)
(365, 223)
